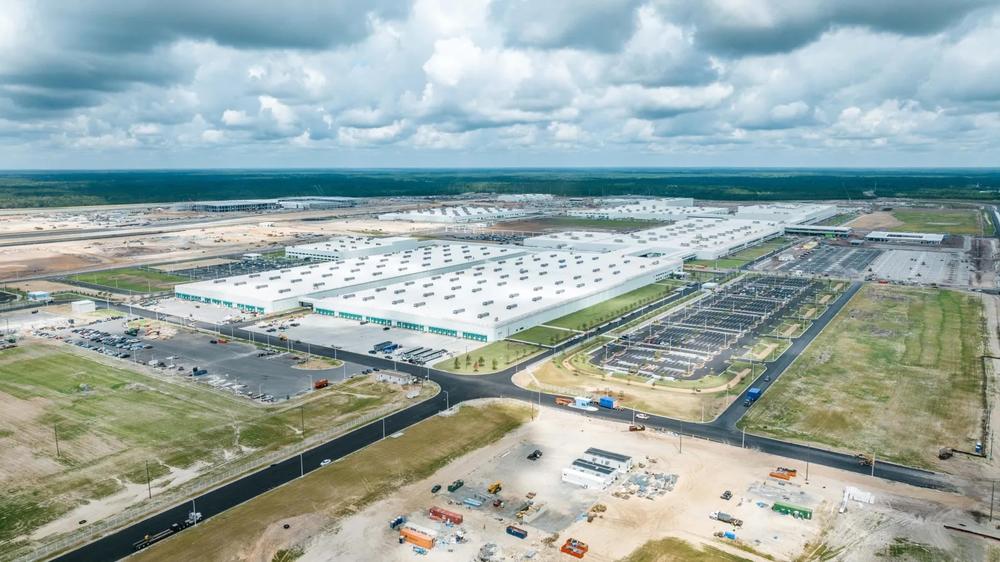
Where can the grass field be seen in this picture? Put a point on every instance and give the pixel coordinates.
(610, 309)
(491, 358)
(897, 373)
(544, 335)
(110, 421)
(943, 221)
(754, 252)
(721, 263)
(678, 550)
(131, 279)
(347, 486)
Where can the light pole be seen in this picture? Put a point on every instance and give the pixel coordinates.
(447, 401)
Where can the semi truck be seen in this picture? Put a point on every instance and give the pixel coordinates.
(752, 395)
(609, 403)
(149, 540)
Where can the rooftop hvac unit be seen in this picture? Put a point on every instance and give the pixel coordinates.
(487, 303)
(408, 283)
(379, 289)
(536, 299)
(238, 283)
(578, 285)
(575, 277)
(522, 278)
(419, 304)
(318, 285)
(560, 291)
(260, 287)
(457, 287)
(397, 291)
(296, 281)
(327, 275)
(511, 306)
(350, 296)
(273, 278)
(559, 282)
(512, 295)
(480, 282)
(430, 294)
(598, 280)
(505, 275)
(428, 285)
(539, 288)
(501, 283)
(447, 297)
(306, 273)
(477, 289)
(349, 278)
(253, 275)
(217, 281)
(285, 291)
(368, 298)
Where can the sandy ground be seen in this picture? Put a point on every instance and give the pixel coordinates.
(198, 242)
(874, 221)
(704, 470)
(168, 267)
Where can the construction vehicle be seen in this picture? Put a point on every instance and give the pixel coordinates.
(535, 455)
(864, 459)
(456, 485)
(727, 495)
(321, 383)
(223, 340)
(397, 522)
(495, 488)
(637, 427)
(149, 540)
(725, 518)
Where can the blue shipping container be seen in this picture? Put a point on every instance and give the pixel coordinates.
(606, 402)
(517, 532)
(754, 393)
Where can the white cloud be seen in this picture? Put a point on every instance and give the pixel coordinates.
(281, 113)
(234, 117)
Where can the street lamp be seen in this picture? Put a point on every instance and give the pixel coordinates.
(447, 400)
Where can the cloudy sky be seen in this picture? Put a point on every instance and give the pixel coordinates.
(256, 83)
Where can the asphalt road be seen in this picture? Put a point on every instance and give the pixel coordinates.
(459, 388)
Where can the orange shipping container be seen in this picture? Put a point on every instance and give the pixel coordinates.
(417, 538)
(563, 401)
(445, 515)
(781, 475)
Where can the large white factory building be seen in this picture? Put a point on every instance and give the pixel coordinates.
(491, 301)
(454, 214)
(650, 209)
(701, 238)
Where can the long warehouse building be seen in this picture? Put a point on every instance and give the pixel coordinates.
(701, 238)
(492, 301)
(278, 290)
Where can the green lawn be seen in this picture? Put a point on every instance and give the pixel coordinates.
(544, 335)
(610, 309)
(490, 358)
(754, 252)
(131, 279)
(721, 263)
(942, 221)
(111, 420)
(897, 374)
(344, 487)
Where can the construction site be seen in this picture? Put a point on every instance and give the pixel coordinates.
(512, 501)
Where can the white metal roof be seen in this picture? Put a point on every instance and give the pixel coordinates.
(270, 286)
(495, 293)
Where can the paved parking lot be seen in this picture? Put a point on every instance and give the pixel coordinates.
(235, 367)
(942, 267)
(359, 338)
(834, 261)
(197, 311)
(241, 267)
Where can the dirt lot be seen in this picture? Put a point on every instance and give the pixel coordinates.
(880, 220)
(704, 470)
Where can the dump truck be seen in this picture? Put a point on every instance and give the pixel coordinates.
(456, 485)
(321, 383)
(636, 427)
(752, 395)
(495, 487)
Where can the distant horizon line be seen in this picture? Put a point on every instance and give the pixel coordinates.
(501, 168)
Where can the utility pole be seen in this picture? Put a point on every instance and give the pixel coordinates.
(383, 428)
(302, 467)
(743, 441)
(302, 419)
(149, 487)
(55, 430)
(993, 495)
(873, 465)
